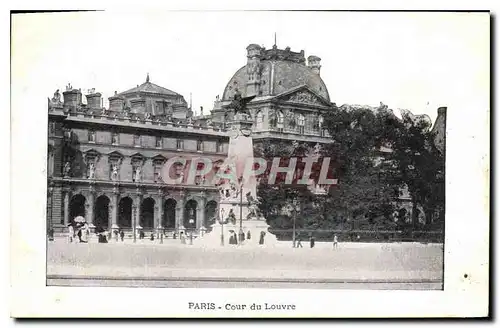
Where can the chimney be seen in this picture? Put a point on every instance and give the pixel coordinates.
(116, 103)
(313, 62)
(72, 98)
(94, 100)
(254, 52)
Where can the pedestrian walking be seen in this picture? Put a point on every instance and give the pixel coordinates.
(182, 237)
(71, 233)
(335, 242)
(122, 235)
(312, 241)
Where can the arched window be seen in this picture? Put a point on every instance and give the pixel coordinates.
(259, 124)
(301, 122)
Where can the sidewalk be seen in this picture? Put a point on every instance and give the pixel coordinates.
(165, 273)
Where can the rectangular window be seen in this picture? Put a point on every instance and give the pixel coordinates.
(137, 140)
(91, 136)
(199, 145)
(158, 142)
(301, 129)
(219, 147)
(180, 144)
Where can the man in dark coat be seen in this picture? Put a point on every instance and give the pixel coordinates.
(312, 241)
(261, 239)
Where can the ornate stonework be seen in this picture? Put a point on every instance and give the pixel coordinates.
(303, 97)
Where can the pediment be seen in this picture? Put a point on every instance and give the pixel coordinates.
(138, 156)
(115, 154)
(303, 95)
(92, 153)
(159, 158)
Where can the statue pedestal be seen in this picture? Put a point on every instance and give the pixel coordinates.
(253, 226)
(239, 196)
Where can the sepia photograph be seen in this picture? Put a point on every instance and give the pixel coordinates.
(226, 151)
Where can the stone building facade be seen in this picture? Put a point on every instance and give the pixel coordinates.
(106, 164)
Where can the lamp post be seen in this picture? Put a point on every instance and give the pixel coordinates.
(221, 221)
(294, 204)
(241, 234)
(134, 212)
(191, 222)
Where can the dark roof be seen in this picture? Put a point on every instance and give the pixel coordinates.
(149, 87)
(286, 75)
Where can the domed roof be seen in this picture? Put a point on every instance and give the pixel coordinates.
(278, 76)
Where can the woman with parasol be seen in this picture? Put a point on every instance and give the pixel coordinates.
(79, 222)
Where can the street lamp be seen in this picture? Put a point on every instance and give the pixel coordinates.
(221, 221)
(294, 204)
(191, 223)
(241, 234)
(134, 211)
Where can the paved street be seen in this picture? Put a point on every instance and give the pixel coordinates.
(352, 265)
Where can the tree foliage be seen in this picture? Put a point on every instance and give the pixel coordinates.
(374, 155)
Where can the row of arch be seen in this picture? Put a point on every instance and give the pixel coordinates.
(77, 207)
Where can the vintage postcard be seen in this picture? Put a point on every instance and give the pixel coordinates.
(250, 164)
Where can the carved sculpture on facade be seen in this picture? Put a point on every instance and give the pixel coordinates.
(137, 174)
(229, 191)
(114, 173)
(147, 116)
(69, 87)
(67, 169)
(91, 174)
(304, 97)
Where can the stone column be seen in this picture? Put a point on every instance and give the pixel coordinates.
(90, 213)
(138, 211)
(66, 208)
(179, 217)
(110, 213)
(114, 211)
(200, 217)
(159, 215)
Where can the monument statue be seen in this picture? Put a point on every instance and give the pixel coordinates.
(57, 97)
(239, 104)
(238, 198)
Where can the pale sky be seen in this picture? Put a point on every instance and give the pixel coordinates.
(417, 61)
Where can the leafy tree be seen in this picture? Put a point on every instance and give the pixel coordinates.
(374, 155)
